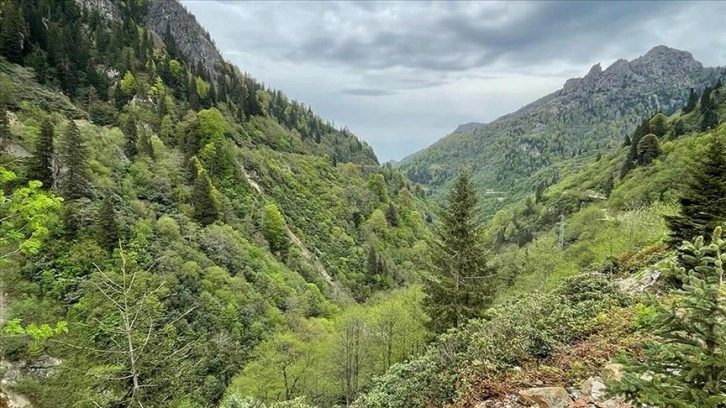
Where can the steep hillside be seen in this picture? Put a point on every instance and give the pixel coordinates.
(163, 220)
(587, 115)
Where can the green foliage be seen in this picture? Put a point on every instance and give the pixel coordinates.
(274, 228)
(37, 335)
(461, 285)
(532, 326)
(684, 363)
(27, 215)
(128, 84)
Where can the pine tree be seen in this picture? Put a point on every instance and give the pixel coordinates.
(392, 216)
(12, 33)
(703, 198)
(461, 284)
(107, 234)
(131, 132)
(372, 262)
(41, 167)
(684, 364)
(144, 145)
(206, 210)
(75, 182)
(648, 149)
(692, 101)
(4, 120)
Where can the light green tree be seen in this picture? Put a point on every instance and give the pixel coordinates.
(274, 228)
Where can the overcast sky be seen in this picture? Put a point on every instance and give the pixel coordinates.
(403, 74)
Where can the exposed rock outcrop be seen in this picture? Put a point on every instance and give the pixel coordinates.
(190, 37)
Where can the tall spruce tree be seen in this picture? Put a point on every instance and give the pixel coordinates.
(12, 33)
(41, 167)
(703, 197)
(684, 364)
(461, 285)
(75, 182)
(692, 101)
(131, 132)
(206, 210)
(107, 233)
(4, 120)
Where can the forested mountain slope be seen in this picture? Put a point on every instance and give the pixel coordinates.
(587, 115)
(187, 214)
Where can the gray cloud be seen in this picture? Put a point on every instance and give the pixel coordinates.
(367, 92)
(402, 72)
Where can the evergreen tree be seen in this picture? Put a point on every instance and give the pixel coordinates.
(41, 167)
(703, 198)
(372, 262)
(206, 210)
(648, 149)
(107, 234)
(392, 216)
(75, 182)
(4, 120)
(144, 145)
(692, 101)
(461, 284)
(12, 33)
(131, 132)
(684, 364)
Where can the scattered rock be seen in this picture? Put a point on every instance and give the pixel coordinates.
(546, 397)
(593, 387)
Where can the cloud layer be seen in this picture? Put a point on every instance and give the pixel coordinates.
(401, 74)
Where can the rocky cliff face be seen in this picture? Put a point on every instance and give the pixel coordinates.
(190, 38)
(588, 114)
(107, 8)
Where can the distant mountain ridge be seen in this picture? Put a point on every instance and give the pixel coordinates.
(586, 115)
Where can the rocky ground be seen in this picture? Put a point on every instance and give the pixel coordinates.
(591, 393)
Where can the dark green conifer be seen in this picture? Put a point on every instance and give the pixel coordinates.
(75, 182)
(648, 149)
(41, 167)
(692, 101)
(460, 285)
(392, 215)
(205, 206)
(107, 233)
(684, 363)
(131, 132)
(12, 33)
(703, 197)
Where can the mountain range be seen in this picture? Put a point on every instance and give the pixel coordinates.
(588, 115)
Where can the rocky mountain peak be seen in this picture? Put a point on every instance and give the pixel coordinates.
(660, 65)
(190, 37)
(595, 70)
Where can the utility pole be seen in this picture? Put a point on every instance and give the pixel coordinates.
(562, 231)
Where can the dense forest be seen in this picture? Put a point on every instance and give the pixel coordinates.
(175, 234)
